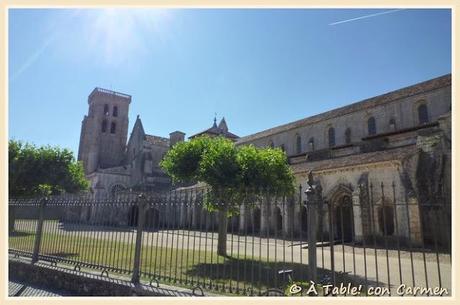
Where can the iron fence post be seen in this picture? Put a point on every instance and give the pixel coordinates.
(39, 231)
(312, 208)
(141, 204)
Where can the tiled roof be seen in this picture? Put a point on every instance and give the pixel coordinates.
(221, 130)
(429, 85)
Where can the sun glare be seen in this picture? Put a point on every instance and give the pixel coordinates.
(118, 34)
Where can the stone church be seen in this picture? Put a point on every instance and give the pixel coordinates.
(387, 154)
(111, 161)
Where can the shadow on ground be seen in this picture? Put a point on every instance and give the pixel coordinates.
(270, 274)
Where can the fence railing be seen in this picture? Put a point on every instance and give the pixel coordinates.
(369, 238)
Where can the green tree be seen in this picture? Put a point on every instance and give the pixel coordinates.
(43, 170)
(232, 172)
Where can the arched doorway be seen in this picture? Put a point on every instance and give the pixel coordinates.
(278, 219)
(304, 219)
(386, 220)
(344, 219)
(116, 189)
(133, 215)
(256, 219)
(233, 223)
(152, 219)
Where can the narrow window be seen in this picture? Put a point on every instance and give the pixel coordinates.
(311, 144)
(348, 136)
(104, 126)
(106, 109)
(392, 124)
(271, 144)
(115, 111)
(113, 127)
(331, 136)
(283, 148)
(371, 129)
(298, 144)
(422, 114)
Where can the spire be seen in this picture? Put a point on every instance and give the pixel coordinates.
(223, 125)
(215, 119)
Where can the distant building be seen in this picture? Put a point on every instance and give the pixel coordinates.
(217, 130)
(401, 140)
(112, 164)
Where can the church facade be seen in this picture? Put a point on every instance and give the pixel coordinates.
(388, 151)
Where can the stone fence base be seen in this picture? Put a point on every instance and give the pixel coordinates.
(44, 275)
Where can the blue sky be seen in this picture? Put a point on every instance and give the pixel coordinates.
(257, 67)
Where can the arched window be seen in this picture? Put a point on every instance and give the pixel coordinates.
(422, 114)
(106, 109)
(348, 136)
(298, 144)
(283, 148)
(392, 124)
(271, 144)
(104, 125)
(331, 136)
(115, 111)
(311, 144)
(371, 129)
(113, 127)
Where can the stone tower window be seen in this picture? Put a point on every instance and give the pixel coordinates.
(331, 136)
(348, 136)
(113, 127)
(371, 128)
(104, 126)
(422, 114)
(311, 144)
(106, 109)
(271, 144)
(115, 111)
(298, 144)
(392, 124)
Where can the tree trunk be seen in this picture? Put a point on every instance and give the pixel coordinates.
(222, 232)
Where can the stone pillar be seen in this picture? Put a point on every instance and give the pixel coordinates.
(357, 216)
(288, 217)
(244, 218)
(416, 236)
(265, 214)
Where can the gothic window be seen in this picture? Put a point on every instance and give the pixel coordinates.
(331, 136)
(283, 148)
(104, 126)
(311, 144)
(348, 136)
(422, 114)
(106, 109)
(113, 127)
(371, 129)
(115, 111)
(298, 144)
(271, 144)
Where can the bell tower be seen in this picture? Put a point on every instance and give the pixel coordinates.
(104, 130)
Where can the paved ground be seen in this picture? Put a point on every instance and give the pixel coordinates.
(390, 268)
(17, 289)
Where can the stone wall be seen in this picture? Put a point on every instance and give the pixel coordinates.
(83, 284)
(402, 108)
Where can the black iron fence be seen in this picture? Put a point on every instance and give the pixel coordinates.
(367, 238)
